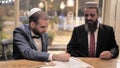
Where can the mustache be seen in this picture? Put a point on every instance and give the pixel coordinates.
(89, 22)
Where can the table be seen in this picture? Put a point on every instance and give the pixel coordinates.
(96, 62)
(20, 64)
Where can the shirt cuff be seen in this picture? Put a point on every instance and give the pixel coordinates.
(50, 57)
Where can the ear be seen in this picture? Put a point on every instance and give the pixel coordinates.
(32, 24)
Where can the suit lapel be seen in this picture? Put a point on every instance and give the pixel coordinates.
(85, 40)
(43, 41)
(100, 37)
(28, 32)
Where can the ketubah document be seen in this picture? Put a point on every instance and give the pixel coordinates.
(118, 63)
(72, 63)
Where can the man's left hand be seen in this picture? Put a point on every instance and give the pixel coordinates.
(106, 55)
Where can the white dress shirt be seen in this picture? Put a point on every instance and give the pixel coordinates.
(39, 45)
(37, 42)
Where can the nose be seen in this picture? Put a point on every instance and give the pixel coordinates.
(88, 17)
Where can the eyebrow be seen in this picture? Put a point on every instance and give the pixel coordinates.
(92, 15)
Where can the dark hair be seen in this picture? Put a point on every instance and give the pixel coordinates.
(38, 15)
(97, 9)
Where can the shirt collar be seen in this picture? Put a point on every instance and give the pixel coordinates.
(98, 25)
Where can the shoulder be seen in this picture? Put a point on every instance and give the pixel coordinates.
(81, 27)
(105, 27)
(22, 27)
(22, 30)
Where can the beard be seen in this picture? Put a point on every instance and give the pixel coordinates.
(90, 26)
(35, 31)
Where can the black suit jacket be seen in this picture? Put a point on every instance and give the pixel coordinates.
(78, 45)
(25, 48)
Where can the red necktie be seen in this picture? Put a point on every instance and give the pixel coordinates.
(92, 45)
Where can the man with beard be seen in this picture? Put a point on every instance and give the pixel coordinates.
(30, 41)
(93, 39)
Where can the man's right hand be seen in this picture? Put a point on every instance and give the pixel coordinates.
(64, 57)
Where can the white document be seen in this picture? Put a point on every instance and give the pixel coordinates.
(73, 63)
(118, 63)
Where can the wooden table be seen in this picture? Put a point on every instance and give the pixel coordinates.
(96, 62)
(20, 64)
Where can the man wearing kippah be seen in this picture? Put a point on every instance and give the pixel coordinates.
(30, 41)
(93, 39)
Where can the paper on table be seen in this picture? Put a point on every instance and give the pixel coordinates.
(73, 63)
(118, 63)
(118, 60)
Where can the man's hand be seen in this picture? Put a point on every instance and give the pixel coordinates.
(64, 57)
(106, 55)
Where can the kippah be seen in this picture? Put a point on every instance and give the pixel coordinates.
(33, 10)
(91, 4)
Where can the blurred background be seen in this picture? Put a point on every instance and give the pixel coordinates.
(64, 15)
